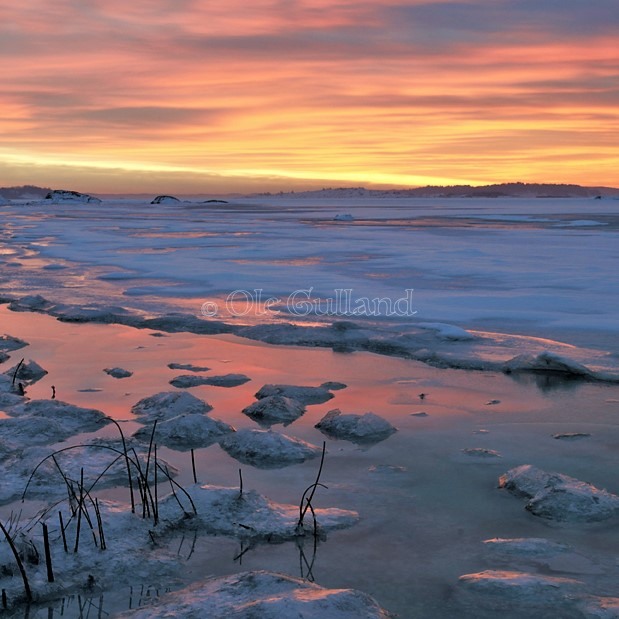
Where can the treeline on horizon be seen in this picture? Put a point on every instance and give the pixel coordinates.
(539, 190)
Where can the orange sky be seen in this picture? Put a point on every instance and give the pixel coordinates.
(209, 96)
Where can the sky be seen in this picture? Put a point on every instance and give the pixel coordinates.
(214, 96)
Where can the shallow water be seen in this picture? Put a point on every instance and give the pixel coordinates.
(422, 525)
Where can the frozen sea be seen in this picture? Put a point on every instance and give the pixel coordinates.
(463, 285)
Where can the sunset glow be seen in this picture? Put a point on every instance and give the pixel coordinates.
(194, 96)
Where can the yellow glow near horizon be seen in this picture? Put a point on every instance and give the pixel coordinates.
(364, 93)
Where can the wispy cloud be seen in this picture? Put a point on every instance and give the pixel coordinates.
(477, 91)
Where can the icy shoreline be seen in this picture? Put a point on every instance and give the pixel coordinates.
(437, 344)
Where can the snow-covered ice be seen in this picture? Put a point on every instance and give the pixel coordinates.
(262, 594)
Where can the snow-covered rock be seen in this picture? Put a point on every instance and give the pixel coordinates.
(60, 196)
(559, 497)
(266, 449)
(275, 409)
(165, 200)
(305, 395)
(367, 428)
(186, 431)
(263, 595)
(118, 372)
(168, 404)
(547, 362)
(29, 372)
(186, 381)
(225, 511)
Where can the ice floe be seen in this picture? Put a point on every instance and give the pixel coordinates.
(275, 409)
(305, 395)
(8, 343)
(186, 381)
(262, 594)
(118, 372)
(481, 452)
(188, 367)
(186, 431)
(168, 404)
(363, 429)
(28, 372)
(267, 449)
(558, 497)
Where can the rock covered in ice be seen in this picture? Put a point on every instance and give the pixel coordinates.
(188, 367)
(29, 372)
(366, 428)
(262, 594)
(186, 431)
(447, 332)
(118, 372)
(168, 404)
(225, 511)
(275, 409)
(267, 449)
(186, 381)
(547, 362)
(165, 200)
(60, 196)
(343, 217)
(305, 395)
(559, 497)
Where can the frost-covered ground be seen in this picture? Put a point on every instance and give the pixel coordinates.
(416, 519)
